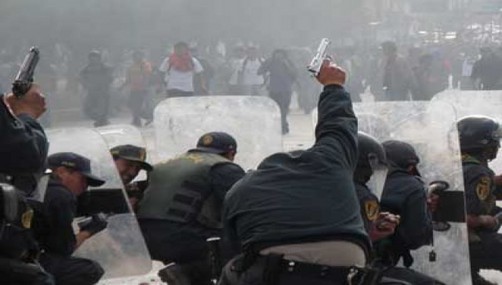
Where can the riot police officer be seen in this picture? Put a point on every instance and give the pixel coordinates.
(53, 221)
(23, 148)
(372, 169)
(23, 144)
(129, 160)
(479, 144)
(405, 194)
(296, 216)
(370, 177)
(182, 205)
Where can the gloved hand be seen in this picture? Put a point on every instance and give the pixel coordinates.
(95, 224)
(136, 189)
(498, 218)
(436, 188)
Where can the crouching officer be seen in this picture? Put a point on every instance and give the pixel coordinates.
(182, 206)
(130, 160)
(370, 177)
(404, 194)
(372, 169)
(479, 144)
(53, 221)
(296, 217)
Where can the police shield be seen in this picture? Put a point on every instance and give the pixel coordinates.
(115, 135)
(120, 248)
(478, 102)
(253, 121)
(431, 130)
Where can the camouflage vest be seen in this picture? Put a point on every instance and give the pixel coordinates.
(180, 191)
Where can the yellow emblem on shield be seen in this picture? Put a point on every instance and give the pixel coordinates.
(371, 208)
(483, 188)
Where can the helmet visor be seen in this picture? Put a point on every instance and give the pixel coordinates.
(377, 180)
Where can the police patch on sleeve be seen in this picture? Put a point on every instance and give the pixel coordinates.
(371, 209)
(26, 218)
(483, 188)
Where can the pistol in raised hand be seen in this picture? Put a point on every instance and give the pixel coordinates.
(24, 77)
(315, 65)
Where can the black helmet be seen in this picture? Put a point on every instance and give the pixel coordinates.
(371, 152)
(400, 154)
(478, 133)
(371, 167)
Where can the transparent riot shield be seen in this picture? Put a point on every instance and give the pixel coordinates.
(431, 129)
(253, 121)
(476, 102)
(120, 248)
(115, 135)
(378, 118)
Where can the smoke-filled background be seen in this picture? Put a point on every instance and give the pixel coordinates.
(439, 41)
(154, 24)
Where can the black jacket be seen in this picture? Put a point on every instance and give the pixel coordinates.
(23, 148)
(23, 144)
(307, 195)
(405, 195)
(52, 225)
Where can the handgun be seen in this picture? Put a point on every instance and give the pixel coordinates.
(24, 77)
(316, 63)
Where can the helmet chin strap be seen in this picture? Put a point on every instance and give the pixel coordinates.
(490, 154)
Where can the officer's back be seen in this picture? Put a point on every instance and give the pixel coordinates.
(297, 214)
(182, 205)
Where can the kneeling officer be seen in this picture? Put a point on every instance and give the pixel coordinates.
(297, 216)
(53, 221)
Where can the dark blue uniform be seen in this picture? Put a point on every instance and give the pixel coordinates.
(370, 207)
(300, 197)
(485, 246)
(23, 148)
(53, 229)
(405, 195)
(291, 197)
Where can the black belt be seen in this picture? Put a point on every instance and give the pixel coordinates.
(314, 270)
(275, 266)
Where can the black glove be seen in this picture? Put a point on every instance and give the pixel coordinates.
(136, 189)
(438, 187)
(95, 224)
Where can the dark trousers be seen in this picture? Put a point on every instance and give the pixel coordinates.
(138, 103)
(283, 99)
(174, 242)
(71, 270)
(486, 254)
(96, 107)
(178, 93)
(16, 272)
